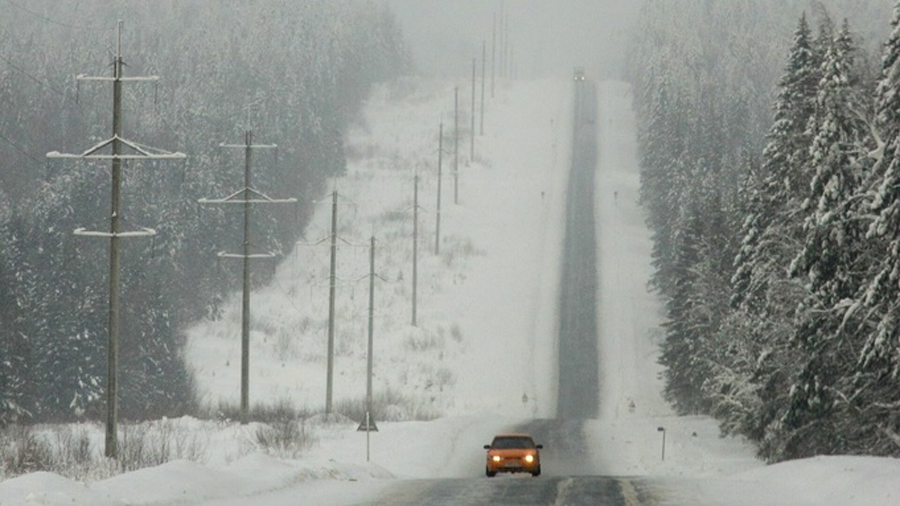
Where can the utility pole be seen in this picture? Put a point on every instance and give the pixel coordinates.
(456, 145)
(369, 361)
(493, 54)
(246, 197)
(116, 144)
(415, 269)
(502, 47)
(437, 228)
(329, 380)
(506, 47)
(472, 114)
(483, 64)
(368, 425)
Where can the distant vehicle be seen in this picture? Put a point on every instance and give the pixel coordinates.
(579, 73)
(513, 453)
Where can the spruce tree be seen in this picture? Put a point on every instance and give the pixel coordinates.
(877, 367)
(828, 261)
(763, 295)
(762, 258)
(883, 289)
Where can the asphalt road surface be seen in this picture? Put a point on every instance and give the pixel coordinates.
(518, 490)
(578, 371)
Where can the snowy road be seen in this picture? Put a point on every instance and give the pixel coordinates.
(577, 397)
(571, 475)
(583, 490)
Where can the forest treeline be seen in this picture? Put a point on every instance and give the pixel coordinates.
(294, 72)
(770, 171)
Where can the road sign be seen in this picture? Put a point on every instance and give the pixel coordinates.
(367, 425)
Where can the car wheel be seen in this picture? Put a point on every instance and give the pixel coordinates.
(489, 473)
(536, 472)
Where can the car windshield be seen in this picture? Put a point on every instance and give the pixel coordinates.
(503, 443)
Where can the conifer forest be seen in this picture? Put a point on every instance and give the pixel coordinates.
(769, 170)
(294, 72)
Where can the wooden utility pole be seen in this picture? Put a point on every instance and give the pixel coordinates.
(245, 295)
(245, 197)
(493, 54)
(329, 380)
(456, 145)
(371, 346)
(369, 423)
(112, 373)
(506, 47)
(483, 64)
(472, 114)
(371, 343)
(502, 48)
(415, 269)
(437, 228)
(117, 146)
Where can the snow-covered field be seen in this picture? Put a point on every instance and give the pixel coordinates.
(481, 357)
(492, 283)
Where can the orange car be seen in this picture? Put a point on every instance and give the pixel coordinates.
(513, 453)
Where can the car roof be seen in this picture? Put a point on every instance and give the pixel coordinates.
(512, 434)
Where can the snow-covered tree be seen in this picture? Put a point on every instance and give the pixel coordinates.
(699, 302)
(753, 395)
(770, 230)
(14, 345)
(829, 260)
(884, 287)
(875, 387)
(793, 360)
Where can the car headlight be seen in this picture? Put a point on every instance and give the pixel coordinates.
(496, 458)
(529, 458)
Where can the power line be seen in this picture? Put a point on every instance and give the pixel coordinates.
(53, 21)
(40, 82)
(21, 150)
(30, 76)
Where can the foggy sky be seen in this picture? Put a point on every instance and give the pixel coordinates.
(547, 37)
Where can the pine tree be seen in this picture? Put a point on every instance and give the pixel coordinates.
(828, 261)
(664, 178)
(877, 367)
(805, 362)
(699, 303)
(837, 130)
(15, 352)
(681, 353)
(883, 291)
(764, 297)
(769, 227)
(61, 293)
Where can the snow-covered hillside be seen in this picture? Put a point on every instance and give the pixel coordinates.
(482, 357)
(484, 303)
